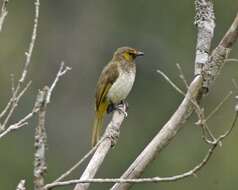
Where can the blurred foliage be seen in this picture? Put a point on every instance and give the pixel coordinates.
(85, 34)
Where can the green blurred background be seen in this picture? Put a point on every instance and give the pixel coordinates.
(84, 34)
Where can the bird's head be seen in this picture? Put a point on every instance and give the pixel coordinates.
(127, 53)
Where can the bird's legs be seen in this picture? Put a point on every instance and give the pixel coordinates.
(118, 107)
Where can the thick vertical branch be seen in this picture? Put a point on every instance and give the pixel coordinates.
(204, 20)
(42, 101)
(40, 142)
(109, 140)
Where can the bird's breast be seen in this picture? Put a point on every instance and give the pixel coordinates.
(121, 87)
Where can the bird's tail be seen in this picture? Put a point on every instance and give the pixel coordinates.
(97, 127)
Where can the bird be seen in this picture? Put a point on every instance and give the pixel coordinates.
(113, 86)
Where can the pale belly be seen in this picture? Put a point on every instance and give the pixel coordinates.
(121, 87)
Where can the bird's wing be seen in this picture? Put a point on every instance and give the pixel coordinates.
(107, 78)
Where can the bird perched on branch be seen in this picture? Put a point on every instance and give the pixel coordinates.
(114, 85)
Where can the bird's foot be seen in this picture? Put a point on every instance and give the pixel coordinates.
(122, 107)
(125, 103)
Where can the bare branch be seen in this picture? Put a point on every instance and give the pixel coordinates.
(62, 70)
(210, 71)
(21, 123)
(140, 180)
(181, 75)
(40, 135)
(217, 59)
(21, 185)
(192, 172)
(231, 35)
(219, 105)
(205, 22)
(110, 138)
(171, 82)
(3, 13)
(32, 43)
(167, 132)
(231, 60)
(14, 103)
(40, 142)
(13, 128)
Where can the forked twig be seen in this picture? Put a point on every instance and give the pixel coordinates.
(62, 70)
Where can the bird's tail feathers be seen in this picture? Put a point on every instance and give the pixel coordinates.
(97, 127)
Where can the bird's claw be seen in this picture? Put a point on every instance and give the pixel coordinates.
(121, 108)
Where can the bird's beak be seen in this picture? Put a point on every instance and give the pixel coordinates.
(139, 53)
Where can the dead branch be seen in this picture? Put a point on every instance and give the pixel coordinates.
(16, 95)
(192, 172)
(40, 134)
(205, 22)
(40, 142)
(170, 129)
(15, 101)
(62, 70)
(110, 138)
(32, 43)
(217, 59)
(163, 137)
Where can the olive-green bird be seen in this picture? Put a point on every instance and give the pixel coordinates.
(114, 85)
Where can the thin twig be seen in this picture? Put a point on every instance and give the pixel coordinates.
(110, 136)
(170, 82)
(62, 70)
(235, 84)
(218, 106)
(23, 121)
(199, 111)
(181, 75)
(11, 102)
(68, 172)
(231, 60)
(15, 101)
(32, 43)
(6, 107)
(35, 109)
(13, 128)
